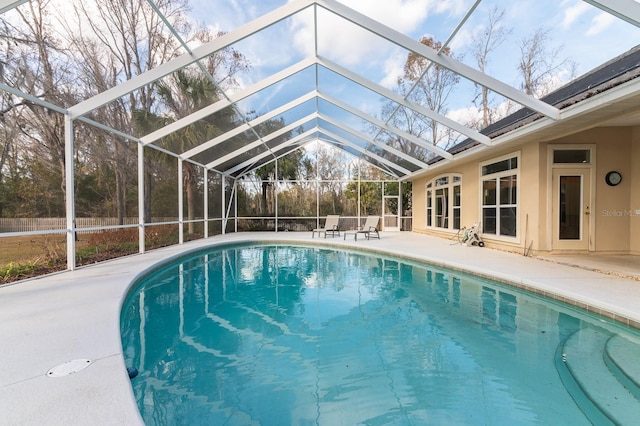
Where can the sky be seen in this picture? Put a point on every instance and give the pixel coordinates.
(577, 30)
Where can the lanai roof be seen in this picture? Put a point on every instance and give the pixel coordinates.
(318, 107)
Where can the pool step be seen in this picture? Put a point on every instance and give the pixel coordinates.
(621, 355)
(597, 389)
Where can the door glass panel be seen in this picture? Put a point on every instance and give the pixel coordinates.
(442, 204)
(570, 209)
(429, 209)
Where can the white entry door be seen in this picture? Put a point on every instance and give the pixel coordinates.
(571, 209)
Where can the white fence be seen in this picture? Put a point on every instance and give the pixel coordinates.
(29, 224)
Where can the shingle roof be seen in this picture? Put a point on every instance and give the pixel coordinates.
(622, 69)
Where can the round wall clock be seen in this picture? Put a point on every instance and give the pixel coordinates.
(613, 178)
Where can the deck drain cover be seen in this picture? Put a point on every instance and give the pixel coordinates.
(69, 367)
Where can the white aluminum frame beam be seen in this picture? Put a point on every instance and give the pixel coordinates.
(356, 78)
(264, 139)
(627, 10)
(187, 59)
(337, 145)
(372, 141)
(249, 125)
(33, 99)
(452, 64)
(232, 99)
(6, 5)
(365, 152)
(411, 138)
(267, 153)
(430, 64)
(344, 127)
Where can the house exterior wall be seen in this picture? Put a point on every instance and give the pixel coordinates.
(614, 210)
(611, 205)
(634, 190)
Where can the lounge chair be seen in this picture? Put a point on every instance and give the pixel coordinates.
(369, 229)
(331, 226)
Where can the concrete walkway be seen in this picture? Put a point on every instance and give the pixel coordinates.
(49, 321)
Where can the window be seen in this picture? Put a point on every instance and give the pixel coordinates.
(443, 202)
(571, 156)
(500, 197)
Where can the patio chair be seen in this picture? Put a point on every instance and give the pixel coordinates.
(331, 226)
(369, 228)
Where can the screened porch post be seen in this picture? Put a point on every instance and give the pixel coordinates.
(69, 193)
(358, 198)
(382, 202)
(223, 211)
(205, 202)
(400, 204)
(275, 190)
(235, 204)
(141, 242)
(180, 204)
(317, 189)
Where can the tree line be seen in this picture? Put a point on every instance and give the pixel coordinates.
(65, 56)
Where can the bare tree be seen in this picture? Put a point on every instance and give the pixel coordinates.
(540, 64)
(331, 166)
(483, 44)
(42, 70)
(427, 84)
(127, 39)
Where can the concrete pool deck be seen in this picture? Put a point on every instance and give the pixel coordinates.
(48, 321)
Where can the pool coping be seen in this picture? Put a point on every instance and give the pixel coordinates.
(75, 315)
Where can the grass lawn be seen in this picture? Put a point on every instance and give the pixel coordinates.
(30, 255)
(28, 247)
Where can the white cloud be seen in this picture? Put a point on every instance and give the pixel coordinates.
(393, 68)
(351, 45)
(403, 15)
(600, 23)
(553, 82)
(571, 14)
(462, 40)
(470, 114)
(455, 7)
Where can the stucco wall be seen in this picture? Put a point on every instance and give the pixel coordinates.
(634, 228)
(613, 208)
(469, 197)
(529, 204)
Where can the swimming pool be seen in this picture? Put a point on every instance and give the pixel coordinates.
(281, 334)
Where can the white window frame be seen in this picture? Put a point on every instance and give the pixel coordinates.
(430, 190)
(497, 176)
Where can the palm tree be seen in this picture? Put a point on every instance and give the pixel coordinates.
(181, 94)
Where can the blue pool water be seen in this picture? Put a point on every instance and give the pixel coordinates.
(295, 335)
